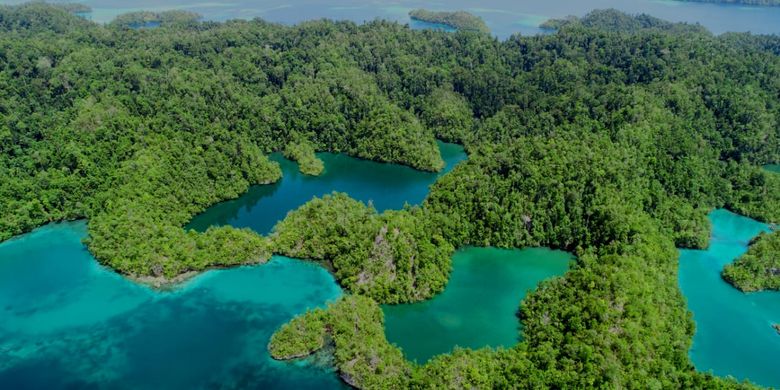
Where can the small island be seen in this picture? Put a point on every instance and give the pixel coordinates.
(303, 152)
(460, 20)
(147, 19)
(777, 328)
(74, 8)
(759, 268)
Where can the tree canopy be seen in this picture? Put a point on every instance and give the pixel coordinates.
(611, 138)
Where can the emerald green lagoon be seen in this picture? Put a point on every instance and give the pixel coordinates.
(479, 306)
(386, 186)
(734, 334)
(772, 168)
(67, 322)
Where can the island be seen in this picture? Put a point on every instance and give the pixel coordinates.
(460, 20)
(302, 151)
(589, 140)
(759, 268)
(777, 328)
(617, 21)
(146, 19)
(74, 8)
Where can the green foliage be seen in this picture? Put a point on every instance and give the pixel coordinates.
(611, 138)
(759, 268)
(448, 115)
(340, 100)
(460, 20)
(145, 18)
(397, 256)
(303, 152)
(614, 20)
(300, 337)
(355, 325)
(139, 232)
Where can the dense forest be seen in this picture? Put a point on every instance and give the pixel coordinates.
(611, 138)
(460, 20)
(759, 268)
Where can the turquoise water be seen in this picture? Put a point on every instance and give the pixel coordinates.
(423, 25)
(734, 334)
(386, 186)
(772, 168)
(504, 17)
(479, 306)
(69, 323)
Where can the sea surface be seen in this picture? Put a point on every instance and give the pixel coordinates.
(504, 17)
(67, 322)
(734, 334)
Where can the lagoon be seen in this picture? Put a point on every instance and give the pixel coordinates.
(479, 306)
(67, 322)
(386, 186)
(734, 334)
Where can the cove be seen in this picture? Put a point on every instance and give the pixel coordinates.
(479, 306)
(67, 322)
(734, 335)
(386, 186)
(772, 168)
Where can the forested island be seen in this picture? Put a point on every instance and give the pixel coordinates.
(759, 268)
(611, 138)
(460, 20)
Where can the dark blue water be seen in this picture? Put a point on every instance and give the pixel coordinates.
(504, 17)
(385, 186)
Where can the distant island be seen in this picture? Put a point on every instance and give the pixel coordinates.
(460, 20)
(141, 19)
(74, 8)
(773, 3)
(616, 21)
